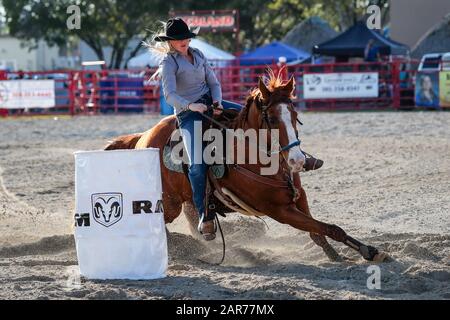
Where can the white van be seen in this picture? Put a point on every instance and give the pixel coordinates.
(435, 62)
(446, 62)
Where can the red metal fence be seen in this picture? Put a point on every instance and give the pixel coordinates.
(114, 91)
(395, 85)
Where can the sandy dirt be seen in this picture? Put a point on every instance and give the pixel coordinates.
(386, 181)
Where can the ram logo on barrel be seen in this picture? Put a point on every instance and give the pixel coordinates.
(107, 208)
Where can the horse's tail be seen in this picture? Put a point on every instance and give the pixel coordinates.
(124, 142)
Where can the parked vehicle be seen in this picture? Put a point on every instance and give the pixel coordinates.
(435, 62)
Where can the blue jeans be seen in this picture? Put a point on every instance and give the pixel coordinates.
(194, 147)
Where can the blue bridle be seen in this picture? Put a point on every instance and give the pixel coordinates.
(288, 147)
(292, 145)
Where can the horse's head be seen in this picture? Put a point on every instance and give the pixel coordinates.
(277, 112)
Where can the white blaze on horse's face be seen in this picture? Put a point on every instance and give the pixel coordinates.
(296, 158)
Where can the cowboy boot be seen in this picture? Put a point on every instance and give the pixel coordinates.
(207, 229)
(311, 163)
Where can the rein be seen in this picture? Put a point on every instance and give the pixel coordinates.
(287, 172)
(261, 179)
(211, 119)
(275, 183)
(288, 147)
(223, 127)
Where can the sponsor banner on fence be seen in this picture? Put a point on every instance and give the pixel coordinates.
(341, 85)
(20, 94)
(445, 89)
(427, 90)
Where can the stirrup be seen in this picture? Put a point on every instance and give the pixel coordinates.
(207, 236)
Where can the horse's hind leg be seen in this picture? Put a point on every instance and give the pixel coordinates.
(320, 240)
(327, 248)
(192, 217)
(172, 207)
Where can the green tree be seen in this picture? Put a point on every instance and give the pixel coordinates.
(263, 21)
(103, 22)
(280, 16)
(115, 22)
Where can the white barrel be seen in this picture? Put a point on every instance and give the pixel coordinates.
(119, 220)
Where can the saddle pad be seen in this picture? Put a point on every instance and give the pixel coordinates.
(168, 163)
(218, 170)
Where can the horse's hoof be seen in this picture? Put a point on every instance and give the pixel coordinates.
(382, 257)
(372, 254)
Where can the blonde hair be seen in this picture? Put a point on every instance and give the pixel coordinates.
(160, 49)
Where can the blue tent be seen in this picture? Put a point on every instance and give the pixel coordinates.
(271, 52)
(353, 42)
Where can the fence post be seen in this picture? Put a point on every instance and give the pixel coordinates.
(395, 84)
(116, 95)
(95, 92)
(83, 92)
(3, 76)
(72, 93)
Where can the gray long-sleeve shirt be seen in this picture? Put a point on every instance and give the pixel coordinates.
(184, 83)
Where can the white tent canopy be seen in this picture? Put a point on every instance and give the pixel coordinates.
(210, 52)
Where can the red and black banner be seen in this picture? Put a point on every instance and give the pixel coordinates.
(210, 21)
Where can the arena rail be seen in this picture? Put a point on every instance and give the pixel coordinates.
(88, 92)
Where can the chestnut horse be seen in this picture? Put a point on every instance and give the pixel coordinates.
(280, 196)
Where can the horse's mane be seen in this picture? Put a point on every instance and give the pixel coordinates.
(274, 83)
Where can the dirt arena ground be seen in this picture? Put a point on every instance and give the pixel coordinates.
(386, 181)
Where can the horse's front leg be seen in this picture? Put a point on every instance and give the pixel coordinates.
(368, 252)
(320, 240)
(292, 216)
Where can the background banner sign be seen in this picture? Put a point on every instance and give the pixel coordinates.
(20, 94)
(210, 21)
(445, 89)
(427, 90)
(341, 85)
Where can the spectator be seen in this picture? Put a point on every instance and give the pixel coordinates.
(372, 52)
(404, 76)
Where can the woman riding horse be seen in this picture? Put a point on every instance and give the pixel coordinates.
(280, 195)
(190, 86)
